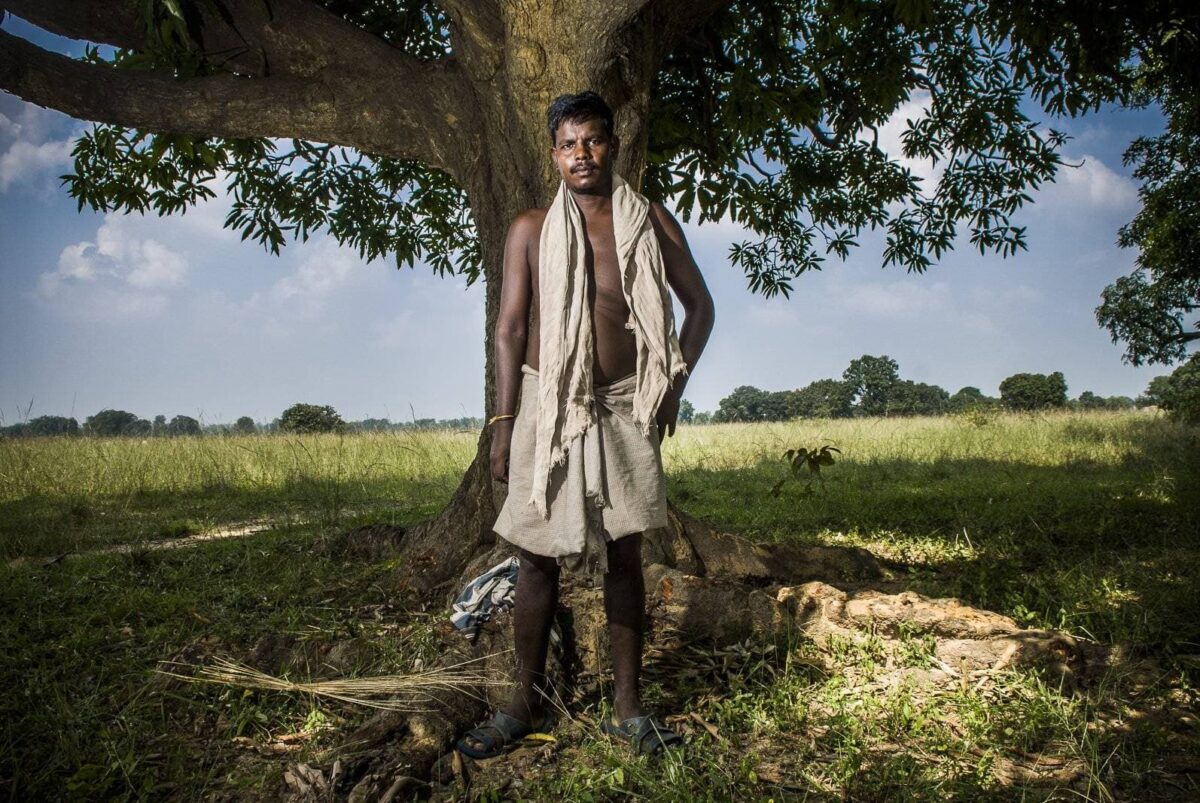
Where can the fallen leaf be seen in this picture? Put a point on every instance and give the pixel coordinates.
(708, 726)
(457, 762)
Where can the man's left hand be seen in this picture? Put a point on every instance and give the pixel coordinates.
(668, 413)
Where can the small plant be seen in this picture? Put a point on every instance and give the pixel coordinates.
(976, 416)
(805, 467)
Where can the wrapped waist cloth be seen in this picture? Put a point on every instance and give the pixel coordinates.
(611, 484)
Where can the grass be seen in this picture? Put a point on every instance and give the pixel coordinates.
(61, 494)
(83, 712)
(1085, 522)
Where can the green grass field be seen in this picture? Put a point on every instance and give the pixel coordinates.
(1089, 523)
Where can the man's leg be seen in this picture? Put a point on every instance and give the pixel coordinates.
(533, 614)
(625, 605)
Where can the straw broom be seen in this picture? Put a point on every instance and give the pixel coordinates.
(411, 693)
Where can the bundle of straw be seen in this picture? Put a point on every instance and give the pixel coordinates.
(411, 693)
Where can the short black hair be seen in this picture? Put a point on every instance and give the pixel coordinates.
(577, 108)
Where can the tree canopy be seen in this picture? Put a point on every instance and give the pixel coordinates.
(870, 386)
(302, 417)
(870, 381)
(1034, 391)
(766, 111)
(110, 422)
(1179, 392)
(1149, 309)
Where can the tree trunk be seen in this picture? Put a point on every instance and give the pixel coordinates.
(510, 169)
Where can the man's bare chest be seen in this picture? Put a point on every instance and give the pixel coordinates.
(602, 265)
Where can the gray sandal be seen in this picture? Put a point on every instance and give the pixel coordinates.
(499, 735)
(647, 735)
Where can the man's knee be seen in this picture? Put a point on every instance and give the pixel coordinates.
(540, 568)
(625, 554)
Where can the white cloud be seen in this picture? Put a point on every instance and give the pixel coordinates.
(433, 306)
(24, 160)
(32, 123)
(1090, 185)
(32, 143)
(1016, 295)
(117, 276)
(296, 303)
(324, 268)
(915, 301)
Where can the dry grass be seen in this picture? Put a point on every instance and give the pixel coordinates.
(414, 692)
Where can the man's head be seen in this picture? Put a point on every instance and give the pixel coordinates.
(583, 145)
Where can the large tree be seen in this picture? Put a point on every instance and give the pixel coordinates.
(871, 380)
(417, 129)
(1034, 391)
(1151, 310)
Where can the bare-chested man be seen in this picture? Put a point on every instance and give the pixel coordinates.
(584, 150)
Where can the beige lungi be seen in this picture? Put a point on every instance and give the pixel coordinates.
(611, 485)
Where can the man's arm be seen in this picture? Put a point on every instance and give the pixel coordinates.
(511, 333)
(683, 275)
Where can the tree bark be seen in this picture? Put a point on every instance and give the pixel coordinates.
(510, 169)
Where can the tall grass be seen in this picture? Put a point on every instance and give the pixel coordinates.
(117, 467)
(62, 494)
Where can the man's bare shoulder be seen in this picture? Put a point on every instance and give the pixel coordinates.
(527, 225)
(665, 223)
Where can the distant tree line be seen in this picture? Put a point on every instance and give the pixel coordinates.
(870, 386)
(297, 418)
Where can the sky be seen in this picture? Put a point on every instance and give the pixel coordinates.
(177, 316)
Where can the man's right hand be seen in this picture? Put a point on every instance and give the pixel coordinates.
(501, 446)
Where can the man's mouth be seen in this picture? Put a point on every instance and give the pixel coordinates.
(583, 170)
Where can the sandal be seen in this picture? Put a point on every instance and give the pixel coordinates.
(648, 735)
(499, 735)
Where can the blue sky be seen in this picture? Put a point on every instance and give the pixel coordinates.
(178, 316)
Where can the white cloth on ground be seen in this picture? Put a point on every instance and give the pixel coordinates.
(489, 593)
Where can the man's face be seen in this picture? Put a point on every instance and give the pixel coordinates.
(584, 155)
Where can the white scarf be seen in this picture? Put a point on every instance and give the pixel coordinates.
(566, 353)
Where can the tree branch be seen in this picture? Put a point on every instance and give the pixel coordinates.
(251, 37)
(99, 21)
(406, 112)
(476, 34)
(472, 11)
(822, 138)
(674, 19)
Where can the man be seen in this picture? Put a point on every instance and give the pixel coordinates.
(585, 395)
